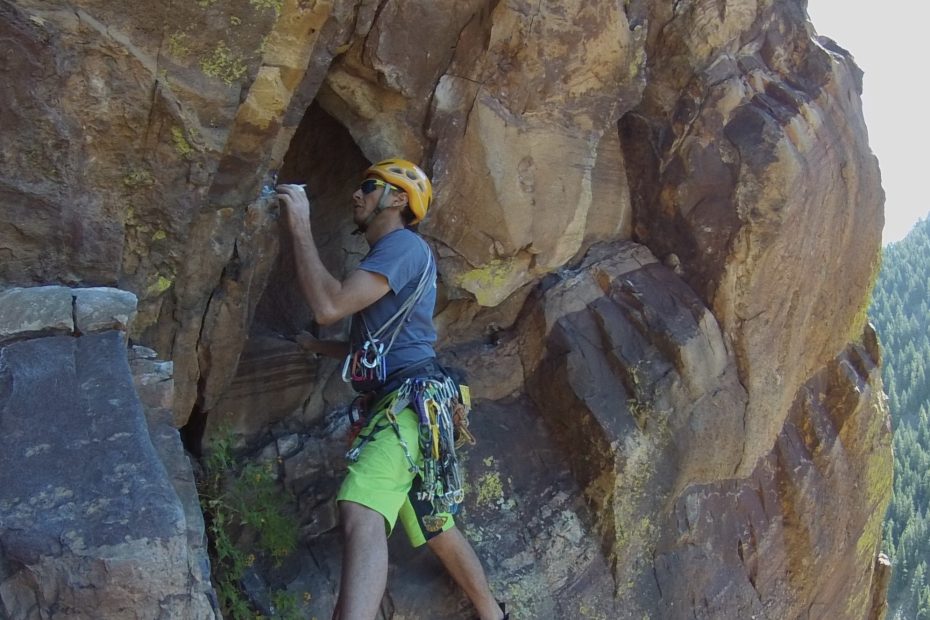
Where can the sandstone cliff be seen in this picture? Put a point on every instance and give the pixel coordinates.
(657, 225)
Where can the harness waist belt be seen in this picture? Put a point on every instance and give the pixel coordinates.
(427, 369)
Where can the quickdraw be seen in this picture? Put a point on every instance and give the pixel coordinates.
(442, 408)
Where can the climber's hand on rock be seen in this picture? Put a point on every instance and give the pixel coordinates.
(307, 341)
(330, 348)
(295, 204)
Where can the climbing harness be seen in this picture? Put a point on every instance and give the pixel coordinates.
(442, 407)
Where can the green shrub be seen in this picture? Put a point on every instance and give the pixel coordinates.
(245, 503)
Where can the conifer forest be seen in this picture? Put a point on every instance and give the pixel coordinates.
(900, 312)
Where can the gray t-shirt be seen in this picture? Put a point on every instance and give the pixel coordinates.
(400, 256)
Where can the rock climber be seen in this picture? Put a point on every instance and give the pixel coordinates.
(390, 297)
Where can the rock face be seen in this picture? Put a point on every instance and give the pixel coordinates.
(740, 180)
(656, 223)
(824, 484)
(91, 524)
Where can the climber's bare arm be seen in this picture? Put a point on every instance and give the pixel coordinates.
(328, 298)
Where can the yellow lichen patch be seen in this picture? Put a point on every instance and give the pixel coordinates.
(591, 612)
(177, 45)
(159, 235)
(494, 282)
(627, 510)
(867, 549)
(267, 100)
(161, 284)
(181, 145)
(878, 483)
(263, 45)
(263, 5)
(490, 489)
(137, 178)
(223, 64)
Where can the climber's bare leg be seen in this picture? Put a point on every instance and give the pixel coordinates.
(462, 563)
(364, 563)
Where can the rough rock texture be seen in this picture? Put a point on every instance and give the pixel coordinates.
(90, 521)
(633, 367)
(752, 166)
(657, 224)
(101, 308)
(154, 385)
(48, 310)
(28, 311)
(273, 383)
(91, 524)
(782, 536)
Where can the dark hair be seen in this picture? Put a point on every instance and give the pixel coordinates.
(407, 215)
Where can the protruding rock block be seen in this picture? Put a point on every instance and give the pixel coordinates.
(153, 378)
(39, 310)
(90, 521)
(805, 526)
(48, 310)
(633, 373)
(102, 308)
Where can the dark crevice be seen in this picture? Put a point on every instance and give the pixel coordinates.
(655, 575)
(74, 318)
(192, 432)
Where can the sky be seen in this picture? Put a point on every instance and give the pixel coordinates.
(888, 41)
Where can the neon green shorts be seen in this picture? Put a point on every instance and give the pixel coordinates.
(381, 479)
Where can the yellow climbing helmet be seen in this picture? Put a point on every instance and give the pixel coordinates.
(407, 176)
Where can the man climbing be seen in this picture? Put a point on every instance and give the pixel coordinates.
(391, 297)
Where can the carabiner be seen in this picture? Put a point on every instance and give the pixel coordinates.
(347, 369)
(373, 352)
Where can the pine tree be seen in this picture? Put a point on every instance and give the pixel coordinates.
(900, 311)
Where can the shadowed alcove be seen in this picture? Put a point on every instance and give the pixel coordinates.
(277, 383)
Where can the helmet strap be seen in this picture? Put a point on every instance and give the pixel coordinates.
(381, 206)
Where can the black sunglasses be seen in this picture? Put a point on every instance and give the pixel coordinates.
(369, 185)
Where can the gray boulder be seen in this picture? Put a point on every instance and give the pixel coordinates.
(90, 523)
